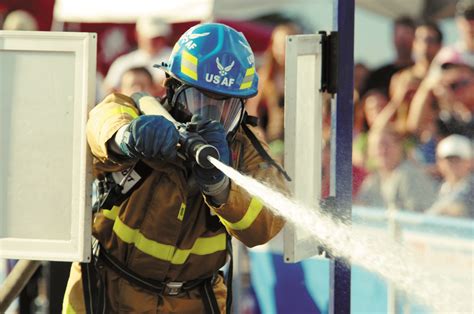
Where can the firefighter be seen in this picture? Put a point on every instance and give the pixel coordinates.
(164, 223)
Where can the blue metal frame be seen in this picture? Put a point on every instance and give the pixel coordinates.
(340, 273)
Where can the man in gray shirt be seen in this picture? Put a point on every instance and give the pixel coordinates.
(396, 183)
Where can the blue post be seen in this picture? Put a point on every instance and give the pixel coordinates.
(340, 273)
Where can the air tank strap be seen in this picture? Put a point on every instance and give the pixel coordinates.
(256, 143)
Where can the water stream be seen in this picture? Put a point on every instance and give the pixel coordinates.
(381, 255)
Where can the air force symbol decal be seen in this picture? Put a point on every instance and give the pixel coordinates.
(221, 79)
(223, 70)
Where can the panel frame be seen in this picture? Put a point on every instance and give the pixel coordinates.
(303, 148)
(78, 247)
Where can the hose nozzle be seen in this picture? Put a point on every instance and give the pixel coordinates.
(193, 146)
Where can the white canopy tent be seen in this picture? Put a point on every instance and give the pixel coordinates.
(433, 9)
(127, 11)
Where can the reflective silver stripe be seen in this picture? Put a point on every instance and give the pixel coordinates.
(188, 64)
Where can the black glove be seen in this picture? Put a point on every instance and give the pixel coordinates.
(212, 181)
(150, 137)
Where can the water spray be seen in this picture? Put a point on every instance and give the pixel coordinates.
(381, 255)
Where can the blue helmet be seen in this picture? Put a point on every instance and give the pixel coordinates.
(216, 58)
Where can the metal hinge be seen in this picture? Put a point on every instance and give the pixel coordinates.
(329, 45)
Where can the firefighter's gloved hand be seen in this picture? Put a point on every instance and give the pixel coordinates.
(150, 136)
(212, 181)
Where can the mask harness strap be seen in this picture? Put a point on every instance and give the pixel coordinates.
(256, 143)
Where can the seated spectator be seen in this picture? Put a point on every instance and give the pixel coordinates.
(455, 162)
(370, 107)
(396, 182)
(137, 80)
(152, 49)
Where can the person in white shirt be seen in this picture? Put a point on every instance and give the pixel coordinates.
(152, 49)
(455, 163)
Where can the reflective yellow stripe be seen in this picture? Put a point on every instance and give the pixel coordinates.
(112, 213)
(189, 73)
(181, 212)
(252, 212)
(189, 65)
(250, 71)
(248, 78)
(69, 310)
(246, 85)
(186, 55)
(117, 111)
(121, 110)
(202, 246)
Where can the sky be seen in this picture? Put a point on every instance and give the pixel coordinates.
(372, 42)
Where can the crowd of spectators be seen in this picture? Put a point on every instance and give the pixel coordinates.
(414, 121)
(413, 118)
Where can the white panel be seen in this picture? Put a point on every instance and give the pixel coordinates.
(47, 84)
(170, 11)
(128, 11)
(394, 9)
(303, 134)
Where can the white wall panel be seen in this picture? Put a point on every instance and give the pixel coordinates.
(46, 90)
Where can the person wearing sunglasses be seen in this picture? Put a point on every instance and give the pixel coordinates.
(453, 92)
(446, 95)
(163, 223)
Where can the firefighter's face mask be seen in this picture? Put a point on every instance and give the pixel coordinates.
(192, 101)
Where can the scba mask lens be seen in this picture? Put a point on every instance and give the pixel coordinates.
(227, 110)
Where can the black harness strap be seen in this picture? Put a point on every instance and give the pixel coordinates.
(160, 287)
(88, 280)
(93, 289)
(228, 279)
(111, 262)
(263, 152)
(209, 298)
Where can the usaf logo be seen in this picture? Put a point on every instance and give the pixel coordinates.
(221, 79)
(223, 70)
